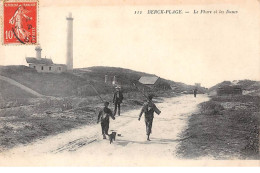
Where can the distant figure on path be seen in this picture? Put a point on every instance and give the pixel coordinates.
(148, 109)
(195, 92)
(103, 117)
(117, 100)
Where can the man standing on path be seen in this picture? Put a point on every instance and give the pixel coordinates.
(117, 100)
(103, 116)
(148, 109)
(195, 92)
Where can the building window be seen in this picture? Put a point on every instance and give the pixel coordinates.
(60, 68)
(42, 67)
(49, 68)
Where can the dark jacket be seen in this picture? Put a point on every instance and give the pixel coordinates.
(118, 97)
(148, 109)
(104, 115)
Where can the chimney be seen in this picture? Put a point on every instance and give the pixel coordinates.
(38, 52)
(106, 78)
(70, 42)
(114, 81)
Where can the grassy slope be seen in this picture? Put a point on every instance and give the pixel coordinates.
(245, 85)
(11, 92)
(125, 77)
(76, 83)
(64, 84)
(12, 96)
(225, 127)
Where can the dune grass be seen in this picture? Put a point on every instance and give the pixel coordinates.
(219, 131)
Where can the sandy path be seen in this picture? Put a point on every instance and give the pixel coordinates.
(85, 146)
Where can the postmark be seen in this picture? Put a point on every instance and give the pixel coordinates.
(20, 20)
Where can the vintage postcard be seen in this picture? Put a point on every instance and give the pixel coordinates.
(129, 83)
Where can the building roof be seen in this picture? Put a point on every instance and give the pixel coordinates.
(230, 87)
(148, 80)
(32, 60)
(60, 65)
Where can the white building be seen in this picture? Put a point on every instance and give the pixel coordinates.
(44, 65)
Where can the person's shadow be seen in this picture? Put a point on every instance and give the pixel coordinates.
(153, 141)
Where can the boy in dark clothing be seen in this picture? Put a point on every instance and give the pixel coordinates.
(148, 109)
(103, 117)
(195, 92)
(117, 100)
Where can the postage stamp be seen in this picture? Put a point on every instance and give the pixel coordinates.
(20, 22)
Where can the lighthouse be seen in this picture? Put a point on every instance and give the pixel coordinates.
(69, 42)
(38, 52)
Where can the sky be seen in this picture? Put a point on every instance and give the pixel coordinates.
(189, 48)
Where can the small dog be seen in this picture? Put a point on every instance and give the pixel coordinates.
(112, 137)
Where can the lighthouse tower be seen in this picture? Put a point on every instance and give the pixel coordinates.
(69, 42)
(38, 52)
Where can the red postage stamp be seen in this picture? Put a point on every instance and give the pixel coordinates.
(20, 22)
